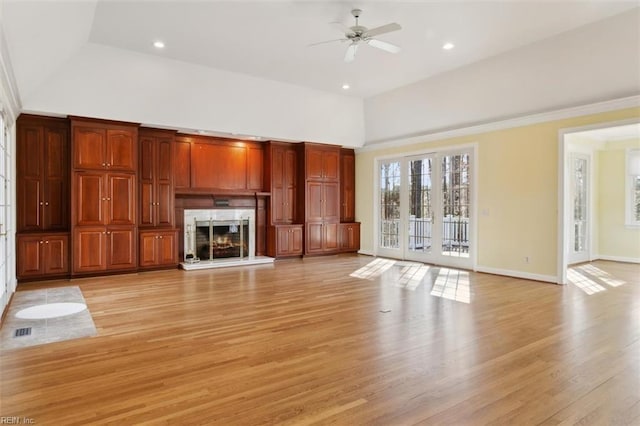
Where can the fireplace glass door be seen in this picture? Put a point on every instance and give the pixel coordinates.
(219, 239)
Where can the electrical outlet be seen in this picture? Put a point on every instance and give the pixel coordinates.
(527, 259)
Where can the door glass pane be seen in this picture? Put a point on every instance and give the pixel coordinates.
(456, 204)
(420, 205)
(579, 205)
(389, 205)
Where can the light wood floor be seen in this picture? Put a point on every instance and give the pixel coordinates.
(303, 342)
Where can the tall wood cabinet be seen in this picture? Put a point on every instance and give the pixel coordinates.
(42, 240)
(349, 232)
(157, 237)
(322, 197)
(103, 196)
(284, 235)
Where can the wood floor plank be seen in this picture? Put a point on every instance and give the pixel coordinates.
(337, 340)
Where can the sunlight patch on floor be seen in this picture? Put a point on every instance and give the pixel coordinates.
(603, 276)
(373, 269)
(583, 282)
(411, 275)
(453, 285)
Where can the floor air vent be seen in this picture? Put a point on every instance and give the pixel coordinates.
(26, 331)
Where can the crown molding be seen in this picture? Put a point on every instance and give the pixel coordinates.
(525, 120)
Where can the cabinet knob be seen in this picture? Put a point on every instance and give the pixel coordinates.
(46, 242)
(104, 164)
(41, 242)
(108, 232)
(41, 203)
(108, 164)
(160, 236)
(108, 198)
(46, 204)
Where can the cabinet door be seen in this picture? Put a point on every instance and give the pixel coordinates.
(148, 249)
(347, 188)
(89, 147)
(167, 248)
(295, 243)
(147, 205)
(147, 177)
(331, 165)
(314, 164)
(289, 185)
(164, 184)
(331, 201)
(56, 181)
(330, 237)
(283, 234)
(121, 152)
(29, 261)
(56, 254)
(90, 198)
(89, 249)
(314, 238)
(315, 203)
(278, 188)
(182, 164)
(121, 248)
(121, 198)
(255, 160)
(30, 178)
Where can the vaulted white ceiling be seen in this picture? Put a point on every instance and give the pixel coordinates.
(270, 39)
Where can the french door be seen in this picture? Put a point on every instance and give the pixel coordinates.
(425, 208)
(580, 218)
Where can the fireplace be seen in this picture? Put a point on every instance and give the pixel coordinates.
(220, 237)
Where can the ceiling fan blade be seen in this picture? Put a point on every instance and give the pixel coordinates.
(387, 47)
(327, 41)
(382, 30)
(351, 52)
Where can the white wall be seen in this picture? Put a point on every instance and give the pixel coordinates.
(106, 82)
(597, 62)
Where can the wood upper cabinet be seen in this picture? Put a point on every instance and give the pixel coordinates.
(322, 162)
(43, 174)
(158, 248)
(102, 248)
(156, 179)
(281, 178)
(41, 255)
(347, 185)
(98, 146)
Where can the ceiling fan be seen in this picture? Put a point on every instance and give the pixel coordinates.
(358, 34)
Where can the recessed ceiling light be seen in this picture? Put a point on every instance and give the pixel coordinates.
(158, 44)
(345, 86)
(448, 46)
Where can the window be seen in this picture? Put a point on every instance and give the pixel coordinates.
(633, 188)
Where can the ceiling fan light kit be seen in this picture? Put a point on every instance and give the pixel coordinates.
(359, 34)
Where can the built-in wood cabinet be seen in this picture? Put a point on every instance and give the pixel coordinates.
(158, 248)
(104, 248)
(322, 162)
(322, 197)
(42, 174)
(285, 240)
(349, 237)
(280, 179)
(104, 196)
(347, 185)
(42, 255)
(156, 179)
(104, 148)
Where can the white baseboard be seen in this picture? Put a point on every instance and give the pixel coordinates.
(618, 258)
(517, 274)
(366, 252)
